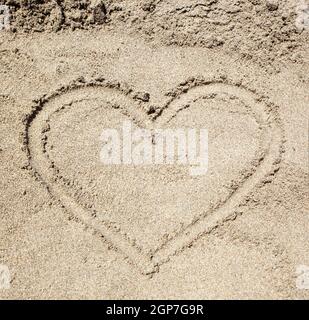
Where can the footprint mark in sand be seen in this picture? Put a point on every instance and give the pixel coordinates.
(252, 115)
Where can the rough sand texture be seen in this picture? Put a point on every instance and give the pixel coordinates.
(73, 228)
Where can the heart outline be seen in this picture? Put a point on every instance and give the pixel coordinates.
(149, 265)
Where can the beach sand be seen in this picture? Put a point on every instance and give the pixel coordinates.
(74, 228)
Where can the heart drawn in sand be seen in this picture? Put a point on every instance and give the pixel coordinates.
(151, 212)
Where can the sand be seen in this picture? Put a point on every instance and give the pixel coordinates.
(72, 228)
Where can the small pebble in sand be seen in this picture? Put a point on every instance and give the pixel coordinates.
(272, 5)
